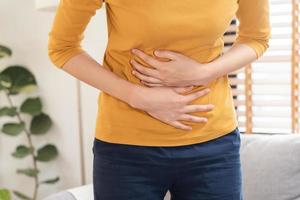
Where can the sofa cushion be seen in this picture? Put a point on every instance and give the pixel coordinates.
(271, 166)
(63, 195)
(84, 192)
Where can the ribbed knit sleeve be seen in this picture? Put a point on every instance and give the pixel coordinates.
(254, 28)
(67, 31)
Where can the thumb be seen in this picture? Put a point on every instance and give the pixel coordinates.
(181, 90)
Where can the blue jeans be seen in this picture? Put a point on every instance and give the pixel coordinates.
(204, 171)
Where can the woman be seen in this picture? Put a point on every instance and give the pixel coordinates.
(166, 119)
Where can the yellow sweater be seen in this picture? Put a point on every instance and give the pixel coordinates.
(193, 27)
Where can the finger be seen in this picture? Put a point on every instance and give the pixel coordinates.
(197, 108)
(181, 90)
(152, 84)
(195, 95)
(179, 125)
(192, 118)
(148, 59)
(144, 70)
(145, 78)
(166, 54)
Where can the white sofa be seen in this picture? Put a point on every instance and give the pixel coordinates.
(270, 165)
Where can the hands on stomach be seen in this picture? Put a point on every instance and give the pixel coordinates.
(165, 81)
(169, 105)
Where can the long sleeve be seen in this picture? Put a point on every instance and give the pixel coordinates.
(67, 31)
(254, 28)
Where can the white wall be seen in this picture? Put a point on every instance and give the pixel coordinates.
(25, 31)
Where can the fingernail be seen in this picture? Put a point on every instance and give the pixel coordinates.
(156, 52)
(133, 50)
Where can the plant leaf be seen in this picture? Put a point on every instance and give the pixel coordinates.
(5, 81)
(5, 194)
(27, 89)
(13, 129)
(20, 78)
(32, 106)
(5, 51)
(8, 111)
(50, 181)
(47, 153)
(22, 151)
(21, 195)
(31, 172)
(40, 124)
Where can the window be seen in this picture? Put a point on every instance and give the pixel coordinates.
(266, 91)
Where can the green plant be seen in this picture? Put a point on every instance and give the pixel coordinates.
(4, 194)
(17, 80)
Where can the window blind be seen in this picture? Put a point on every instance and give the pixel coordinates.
(266, 91)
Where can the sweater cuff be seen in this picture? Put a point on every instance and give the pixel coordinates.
(259, 46)
(60, 58)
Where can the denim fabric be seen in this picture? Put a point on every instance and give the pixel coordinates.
(204, 171)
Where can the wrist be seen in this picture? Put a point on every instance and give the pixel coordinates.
(212, 71)
(133, 96)
(205, 74)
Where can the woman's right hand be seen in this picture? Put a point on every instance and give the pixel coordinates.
(168, 105)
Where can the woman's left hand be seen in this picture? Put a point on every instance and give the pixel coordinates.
(179, 71)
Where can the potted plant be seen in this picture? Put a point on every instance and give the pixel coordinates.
(16, 80)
